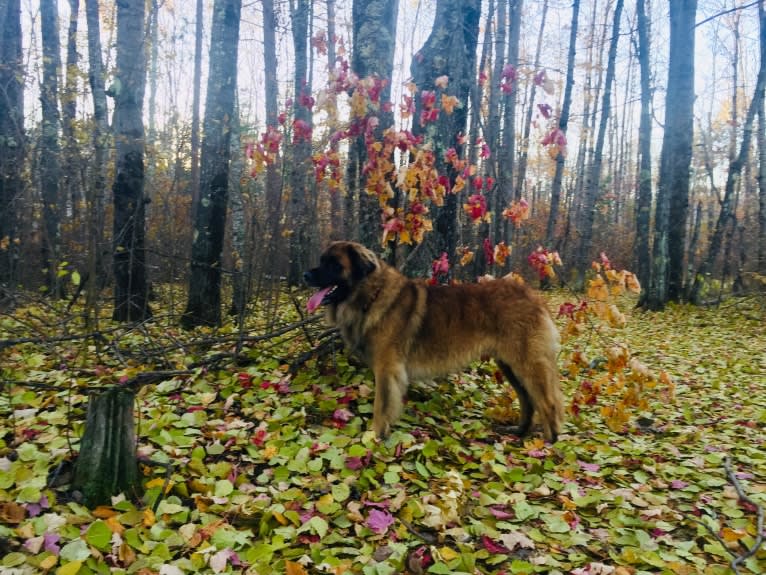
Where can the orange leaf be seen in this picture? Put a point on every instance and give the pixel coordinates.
(292, 568)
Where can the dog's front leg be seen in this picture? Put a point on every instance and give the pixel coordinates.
(390, 388)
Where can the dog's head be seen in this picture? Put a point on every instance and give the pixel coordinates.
(342, 266)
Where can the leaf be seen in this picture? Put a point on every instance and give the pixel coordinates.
(99, 535)
(70, 568)
(293, 568)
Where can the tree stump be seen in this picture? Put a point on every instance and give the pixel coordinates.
(107, 464)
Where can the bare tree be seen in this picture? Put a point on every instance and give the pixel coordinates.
(675, 158)
(50, 146)
(204, 303)
(301, 148)
(12, 145)
(593, 182)
(563, 123)
(97, 186)
(644, 199)
(131, 294)
(727, 217)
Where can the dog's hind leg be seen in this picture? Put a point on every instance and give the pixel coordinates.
(390, 386)
(526, 407)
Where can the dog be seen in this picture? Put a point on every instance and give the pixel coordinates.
(407, 329)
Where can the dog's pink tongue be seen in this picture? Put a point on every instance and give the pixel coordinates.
(316, 300)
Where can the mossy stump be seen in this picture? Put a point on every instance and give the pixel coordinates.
(107, 464)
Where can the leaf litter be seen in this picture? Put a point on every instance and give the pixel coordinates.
(263, 469)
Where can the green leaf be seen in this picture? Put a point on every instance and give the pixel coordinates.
(99, 535)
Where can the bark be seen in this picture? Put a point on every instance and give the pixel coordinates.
(274, 204)
(478, 94)
(107, 464)
(97, 186)
(12, 141)
(450, 49)
(71, 182)
(301, 146)
(372, 55)
(204, 303)
(238, 224)
(761, 182)
(727, 216)
(196, 101)
(337, 217)
(131, 294)
(644, 198)
(675, 157)
(50, 146)
(558, 175)
(593, 182)
(154, 40)
(679, 195)
(494, 120)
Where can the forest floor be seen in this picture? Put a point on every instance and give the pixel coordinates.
(661, 467)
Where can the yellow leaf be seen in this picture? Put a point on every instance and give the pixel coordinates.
(158, 482)
(70, 568)
(448, 554)
(48, 562)
(149, 518)
(281, 518)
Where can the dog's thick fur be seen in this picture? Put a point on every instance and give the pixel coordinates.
(404, 328)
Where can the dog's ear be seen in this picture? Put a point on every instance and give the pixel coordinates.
(363, 262)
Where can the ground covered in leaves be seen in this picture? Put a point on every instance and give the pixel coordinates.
(249, 467)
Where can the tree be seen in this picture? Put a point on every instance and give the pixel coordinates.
(563, 123)
(71, 182)
(301, 147)
(726, 216)
(374, 27)
(675, 159)
(204, 303)
(644, 199)
(12, 145)
(97, 186)
(593, 181)
(131, 294)
(50, 146)
(196, 99)
(449, 50)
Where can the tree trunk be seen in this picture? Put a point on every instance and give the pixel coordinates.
(337, 217)
(494, 122)
(593, 183)
(761, 178)
(373, 55)
(675, 157)
(131, 294)
(644, 198)
(204, 304)
(301, 148)
(727, 216)
(196, 101)
(238, 224)
(50, 146)
(558, 176)
(96, 189)
(72, 184)
(679, 191)
(107, 464)
(12, 144)
(450, 50)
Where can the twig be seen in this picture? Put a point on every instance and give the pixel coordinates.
(759, 524)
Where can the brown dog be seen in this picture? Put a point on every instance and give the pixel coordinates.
(404, 329)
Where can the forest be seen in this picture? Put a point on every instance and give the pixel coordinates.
(169, 401)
